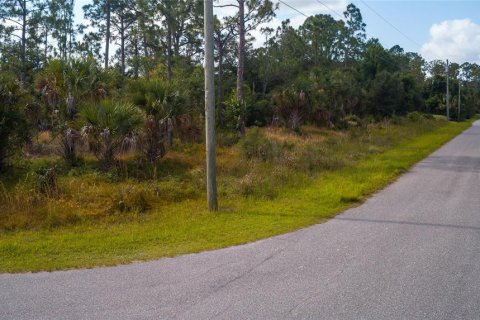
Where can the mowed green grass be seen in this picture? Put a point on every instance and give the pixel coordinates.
(187, 227)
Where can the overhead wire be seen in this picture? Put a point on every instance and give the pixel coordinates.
(389, 23)
(293, 8)
(329, 8)
(384, 19)
(342, 17)
(393, 26)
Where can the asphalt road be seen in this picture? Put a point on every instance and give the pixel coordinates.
(410, 252)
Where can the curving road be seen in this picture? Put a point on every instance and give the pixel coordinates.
(410, 252)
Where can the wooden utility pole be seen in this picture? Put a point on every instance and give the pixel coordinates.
(459, 99)
(448, 97)
(210, 107)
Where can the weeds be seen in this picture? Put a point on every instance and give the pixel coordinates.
(317, 174)
(255, 145)
(46, 193)
(47, 182)
(130, 200)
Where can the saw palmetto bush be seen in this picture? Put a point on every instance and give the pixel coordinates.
(110, 128)
(291, 107)
(65, 85)
(70, 139)
(162, 104)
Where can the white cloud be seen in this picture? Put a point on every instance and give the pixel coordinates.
(457, 40)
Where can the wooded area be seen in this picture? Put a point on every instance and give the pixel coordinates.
(133, 72)
(102, 144)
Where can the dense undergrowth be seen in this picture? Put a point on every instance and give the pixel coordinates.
(259, 166)
(270, 182)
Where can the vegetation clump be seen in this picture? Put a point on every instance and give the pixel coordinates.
(255, 145)
(95, 139)
(110, 128)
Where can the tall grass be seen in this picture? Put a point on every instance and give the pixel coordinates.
(102, 218)
(261, 166)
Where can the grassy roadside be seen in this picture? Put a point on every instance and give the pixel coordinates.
(187, 227)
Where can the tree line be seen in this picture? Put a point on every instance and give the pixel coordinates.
(130, 75)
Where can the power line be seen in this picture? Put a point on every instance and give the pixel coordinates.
(295, 9)
(342, 17)
(323, 4)
(389, 23)
(393, 26)
(332, 10)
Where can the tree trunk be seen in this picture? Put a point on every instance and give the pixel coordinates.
(2, 155)
(46, 46)
(122, 47)
(24, 42)
(145, 63)
(107, 35)
(220, 86)
(176, 43)
(135, 54)
(170, 132)
(143, 30)
(346, 57)
(241, 64)
(70, 29)
(169, 52)
(65, 36)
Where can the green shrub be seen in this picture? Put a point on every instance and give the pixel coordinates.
(13, 126)
(259, 113)
(130, 200)
(415, 116)
(255, 145)
(233, 111)
(227, 139)
(110, 128)
(292, 107)
(429, 116)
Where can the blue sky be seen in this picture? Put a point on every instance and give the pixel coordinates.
(436, 29)
(416, 18)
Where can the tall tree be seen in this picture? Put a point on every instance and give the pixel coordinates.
(324, 37)
(99, 13)
(181, 23)
(122, 22)
(250, 13)
(224, 35)
(355, 33)
(61, 22)
(19, 19)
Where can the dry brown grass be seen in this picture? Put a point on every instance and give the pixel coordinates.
(285, 160)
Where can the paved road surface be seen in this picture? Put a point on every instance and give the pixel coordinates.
(411, 252)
